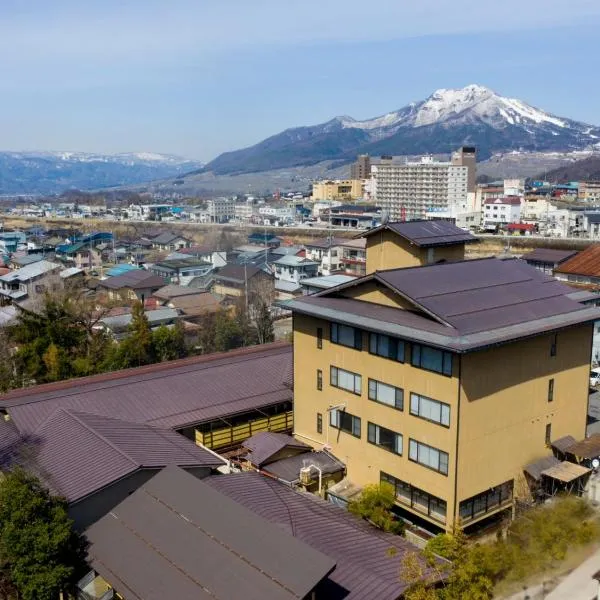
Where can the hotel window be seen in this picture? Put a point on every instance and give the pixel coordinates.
(384, 438)
(428, 456)
(417, 499)
(319, 423)
(548, 436)
(431, 410)
(386, 346)
(344, 421)
(346, 336)
(553, 344)
(319, 337)
(485, 502)
(346, 380)
(319, 379)
(386, 394)
(550, 390)
(431, 359)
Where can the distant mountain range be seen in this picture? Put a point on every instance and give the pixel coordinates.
(587, 169)
(474, 115)
(55, 172)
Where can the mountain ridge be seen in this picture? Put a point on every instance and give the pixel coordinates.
(448, 118)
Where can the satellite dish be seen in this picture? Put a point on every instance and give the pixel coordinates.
(595, 463)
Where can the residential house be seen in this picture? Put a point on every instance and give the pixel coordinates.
(498, 212)
(443, 380)
(415, 243)
(352, 216)
(353, 260)
(290, 270)
(132, 285)
(589, 191)
(180, 270)
(192, 307)
(589, 225)
(235, 281)
(118, 325)
(206, 253)
(547, 259)
(583, 268)
(184, 539)
(82, 255)
(217, 400)
(327, 252)
(264, 239)
(314, 285)
(169, 242)
(30, 283)
(11, 241)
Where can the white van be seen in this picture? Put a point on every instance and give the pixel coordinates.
(595, 377)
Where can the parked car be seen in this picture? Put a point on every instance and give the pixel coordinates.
(595, 377)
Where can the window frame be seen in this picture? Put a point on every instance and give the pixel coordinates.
(398, 393)
(417, 349)
(319, 338)
(551, 389)
(372, 426)
(443, 405)
(391, 342)
(319, 380)
(319, 422)
(429, 448)
(356, 376)
(334, 338)
(339, 425)
(548, 434)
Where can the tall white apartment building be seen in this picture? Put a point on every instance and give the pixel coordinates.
(408, 190)
(220, 210)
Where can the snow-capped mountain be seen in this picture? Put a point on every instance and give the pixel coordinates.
(474, 115)
(55, 172)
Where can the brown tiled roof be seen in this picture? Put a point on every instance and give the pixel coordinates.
(462, 305)
(366, 569)
(78, 453)
(588, 448)
(512, 200)
(138, 279)
(548, 255)
(173, 291)
(587, 262)
(178, 538)
(237, 273)
(426, 234)
(174, 394)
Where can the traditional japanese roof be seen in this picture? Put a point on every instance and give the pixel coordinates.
(164, 239)
(174, 394)
(461, 306)
(263, 446)
(138, 279)
(586, 262)
(426, 234)
(548, 255)
(177, 537)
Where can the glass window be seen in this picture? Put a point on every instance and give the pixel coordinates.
(340, 419)
(384, 438)
(428, 456)
(432, 359)
(346, 336)
(319, 379)
(429, 409)
(486, 501)
(384, 345)
(319, 337)
(548, 437)
(319, 423)
(346, 380)
(553, 345)
(386, 394)
(550, 390)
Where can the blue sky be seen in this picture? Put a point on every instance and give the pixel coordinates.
(198, 77)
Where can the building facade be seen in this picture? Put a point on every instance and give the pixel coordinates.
(220, 210)
(501, 211)
(347, 189)
(361, 169)
(435, 379)
(407, 190)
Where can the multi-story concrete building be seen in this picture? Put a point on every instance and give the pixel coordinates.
(407, 190)
(501, 211)
(361, 169)
(444, 380)
(589, 191)
(220, 210)
(347, 189)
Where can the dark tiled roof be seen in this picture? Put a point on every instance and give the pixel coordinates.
(325, 242)
(288, 469)
(166, 238)
(237, 273)
(548, 255)
(535, 469)
(588, 448)
(196, 305)
(177, 537)
(462, 305)
(512, 200)
(138, 279)
(562, 444)
(77, 453)
(427, 234)
(174, 394)
(175, 291)
(586, 262)
(264, 445)
(366, 569)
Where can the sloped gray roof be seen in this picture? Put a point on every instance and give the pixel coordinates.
(137, 279)
(167, 238)
(366, 570)
(77, 453)
(536, 468)
(264, 445)
(548, 255)
(177, 537)
(174, 291)
(426, 234)
(288, 469)
(30, 271)
(175, 394)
